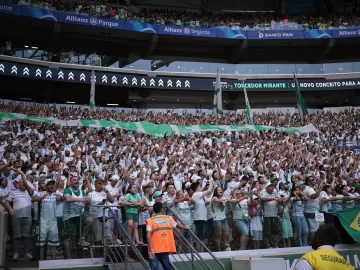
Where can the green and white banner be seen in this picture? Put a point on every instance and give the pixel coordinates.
(150, 128)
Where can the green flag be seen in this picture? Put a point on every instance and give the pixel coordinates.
(148, 127)
(217, 104)
(248, 110)
(92, 91)
(350, 220)
(299, 99)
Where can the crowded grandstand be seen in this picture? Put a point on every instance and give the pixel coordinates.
(240, 168)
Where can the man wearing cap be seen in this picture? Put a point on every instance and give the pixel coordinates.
(272, 225)
(98, 197)
(74, 201)
(312, 206)
(274, 181)
(114, 188)
(160, 237)
(284, 190)
(20, 211)
(158, 196)
(48, 221)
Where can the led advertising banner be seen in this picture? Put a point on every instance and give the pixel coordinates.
(287, 32)
(177, 83)
(275, 34)
(10, 8)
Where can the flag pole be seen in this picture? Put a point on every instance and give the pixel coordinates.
(300, 101)
(215, 99)
(92, 87)
(247, 105)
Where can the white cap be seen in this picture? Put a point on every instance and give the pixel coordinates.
(115, 178)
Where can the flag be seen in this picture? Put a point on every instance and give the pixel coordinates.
(300, 101)
(350, 220)
(92, 91)
(248, 110)
(217, 105)
(148, 127)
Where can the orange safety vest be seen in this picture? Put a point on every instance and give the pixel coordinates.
(162, 236)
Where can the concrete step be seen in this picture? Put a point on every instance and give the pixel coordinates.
(121, 266)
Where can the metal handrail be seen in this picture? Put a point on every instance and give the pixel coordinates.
(193, 236)
(128, 241)
(192, 252)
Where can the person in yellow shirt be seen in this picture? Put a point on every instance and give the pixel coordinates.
(324, 256)
(160, 237)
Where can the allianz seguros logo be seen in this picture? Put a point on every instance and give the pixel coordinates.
(186, 31)
(94, 21)
(6, 8)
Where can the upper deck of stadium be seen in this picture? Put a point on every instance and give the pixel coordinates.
(132, 33)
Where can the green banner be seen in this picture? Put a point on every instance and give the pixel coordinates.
(150, 128)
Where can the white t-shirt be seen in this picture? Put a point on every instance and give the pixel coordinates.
(200, 211)
(96, 198)
(113, 191)
(326, 206)
(182, 211)
(59, 205)
(312, 205)
(21, 203)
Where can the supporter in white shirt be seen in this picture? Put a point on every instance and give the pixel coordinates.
(200, 209)
(100, 196)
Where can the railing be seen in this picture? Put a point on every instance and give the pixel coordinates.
(116, 255)
(187, 257)
(187, 253)
(3, 234)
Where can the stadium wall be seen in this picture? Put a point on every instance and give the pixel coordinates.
(291, 255)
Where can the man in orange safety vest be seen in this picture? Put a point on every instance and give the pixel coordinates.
(160, 237)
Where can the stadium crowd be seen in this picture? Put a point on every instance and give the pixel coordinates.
(231, 188)
(242, 20)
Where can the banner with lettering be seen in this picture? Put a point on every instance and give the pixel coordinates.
(275, 34)
(186, 31)
(10, 8)
(277, 30)
(346, 33)
(150, 128)
(90, 21)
